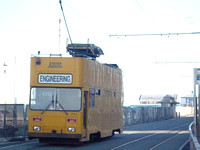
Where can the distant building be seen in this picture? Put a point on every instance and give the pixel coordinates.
(187, 100)
(168, 101)
(153, 99)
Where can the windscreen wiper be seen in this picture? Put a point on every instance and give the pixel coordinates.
(57, 102)
(51, 103)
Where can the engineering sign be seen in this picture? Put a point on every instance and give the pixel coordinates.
(55, 78)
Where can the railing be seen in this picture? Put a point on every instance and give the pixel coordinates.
(194, 144)
(13, 121)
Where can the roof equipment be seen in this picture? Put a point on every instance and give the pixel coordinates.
(84, 50)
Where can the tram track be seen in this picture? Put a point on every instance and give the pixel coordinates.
(177, 134)
(166, 131)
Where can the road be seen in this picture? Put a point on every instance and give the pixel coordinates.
(163, 135)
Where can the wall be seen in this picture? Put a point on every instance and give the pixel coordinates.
(138, 115)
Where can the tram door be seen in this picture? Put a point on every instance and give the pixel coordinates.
(85, 103)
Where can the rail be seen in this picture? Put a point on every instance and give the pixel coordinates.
(194, 144)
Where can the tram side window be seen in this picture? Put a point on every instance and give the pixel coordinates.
(92, 98)
(98, 92)
(115, 94)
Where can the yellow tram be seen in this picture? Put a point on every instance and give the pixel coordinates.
(74, 99)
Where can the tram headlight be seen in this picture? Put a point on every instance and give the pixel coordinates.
(71, 129)
(36, 128)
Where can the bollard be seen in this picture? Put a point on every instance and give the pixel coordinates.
(179, 115)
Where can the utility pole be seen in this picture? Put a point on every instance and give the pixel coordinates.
(196, 100)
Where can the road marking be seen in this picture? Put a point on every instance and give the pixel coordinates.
(147, 137)
(169, 139)
(22, 144)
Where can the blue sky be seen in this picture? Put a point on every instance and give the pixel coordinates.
(28, 26)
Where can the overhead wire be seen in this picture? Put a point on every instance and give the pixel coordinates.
(161, 34)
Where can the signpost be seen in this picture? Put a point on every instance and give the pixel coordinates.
(196, 103)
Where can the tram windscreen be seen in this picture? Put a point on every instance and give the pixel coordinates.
(67, 99)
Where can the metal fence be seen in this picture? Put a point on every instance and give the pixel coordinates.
(13, 120)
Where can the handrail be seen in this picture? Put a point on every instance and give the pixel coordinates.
(193, 138)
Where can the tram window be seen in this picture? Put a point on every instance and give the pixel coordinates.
(98, 92)
(115, 94)
(55, 99)
(92, 98)
(33, 102)
(69, 99)
(92, 101)
(40, 97)
(85, 109)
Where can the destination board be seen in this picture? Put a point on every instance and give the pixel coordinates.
(55, 78)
